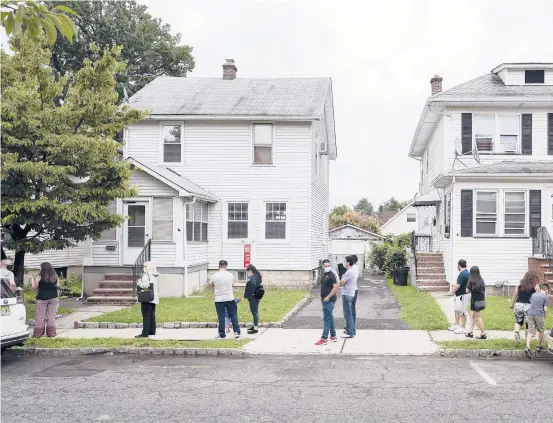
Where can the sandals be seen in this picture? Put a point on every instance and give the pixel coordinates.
(482, 336)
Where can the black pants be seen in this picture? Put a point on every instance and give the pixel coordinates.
(148, 319)
(254, 308)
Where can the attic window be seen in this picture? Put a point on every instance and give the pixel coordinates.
(534, 77)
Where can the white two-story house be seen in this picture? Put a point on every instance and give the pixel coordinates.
(223, 165)
(486, 171)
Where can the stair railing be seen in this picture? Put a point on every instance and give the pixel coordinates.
(542, 244)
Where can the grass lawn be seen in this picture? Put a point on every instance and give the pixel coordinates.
(499, 316)
(273, 307)
(418, 309)
(488, 344)
(120, 343)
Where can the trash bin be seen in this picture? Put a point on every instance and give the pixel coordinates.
(400, 276)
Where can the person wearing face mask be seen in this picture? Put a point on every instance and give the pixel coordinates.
(329, 288)
(149, 280)
(254, 281)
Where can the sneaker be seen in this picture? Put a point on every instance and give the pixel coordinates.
(236, 335)
(517, 338)
(470, 335)
(321, 342)
(539, 349)
(527, 353)
(220, 337)
(333, 339)
(345, 331)
(140, 336)
(347, 335)
(252, 331)
(482, 336)
(452, 328)
(459, 330)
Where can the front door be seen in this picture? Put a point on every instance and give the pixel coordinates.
(136, 230)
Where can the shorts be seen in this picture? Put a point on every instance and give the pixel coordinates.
(521, 312)
(461, 303)
(536, 323)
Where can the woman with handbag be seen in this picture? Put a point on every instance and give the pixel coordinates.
(254, 282)
(148, 297)
(477, 289)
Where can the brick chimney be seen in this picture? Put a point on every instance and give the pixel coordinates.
(229, 69)
(436, 83)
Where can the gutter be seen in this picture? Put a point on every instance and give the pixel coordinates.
(233, 117)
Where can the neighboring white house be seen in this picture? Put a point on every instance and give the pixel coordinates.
(486, 169)
(403, 221)
(222, 163)
(349, 239)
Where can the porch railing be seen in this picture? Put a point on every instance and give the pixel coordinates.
(143, 257)
(542, 244)
(422, 243)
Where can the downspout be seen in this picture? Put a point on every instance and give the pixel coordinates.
(452, 227)
(185, 248)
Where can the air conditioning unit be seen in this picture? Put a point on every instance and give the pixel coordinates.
(323, 148)
(510, 147)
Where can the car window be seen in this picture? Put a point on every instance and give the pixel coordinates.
(6, 290)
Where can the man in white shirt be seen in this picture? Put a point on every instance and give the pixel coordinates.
(349, 286)
(5, 273)
(222, 282)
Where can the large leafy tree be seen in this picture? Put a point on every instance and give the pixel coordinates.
(354, 218)
(365, 207)
(149, 48)
(60, 166)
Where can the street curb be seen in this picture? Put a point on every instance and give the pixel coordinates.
(483, 353)
(128, 350)
(185, 325)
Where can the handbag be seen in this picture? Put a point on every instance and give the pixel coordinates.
(259, 292)
(479, 305)
(146, 295)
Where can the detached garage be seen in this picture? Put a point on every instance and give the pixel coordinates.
(347, 240)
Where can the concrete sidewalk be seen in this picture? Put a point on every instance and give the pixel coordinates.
(189, 334)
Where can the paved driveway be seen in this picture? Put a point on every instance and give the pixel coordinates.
(376, 307)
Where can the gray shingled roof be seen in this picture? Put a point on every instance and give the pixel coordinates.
(164, 174)
(301, 97)
(491, 85)
(511, 166)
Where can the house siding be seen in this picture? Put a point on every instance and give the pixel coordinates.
(148, 186)
(70, 257)
(398, 224)
(500, 259)
(227, 172)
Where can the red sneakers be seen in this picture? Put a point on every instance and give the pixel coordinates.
(321, 342)
(333, 339)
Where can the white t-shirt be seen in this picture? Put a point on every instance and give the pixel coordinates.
(5, 273)
(350, 277)
(223, 281)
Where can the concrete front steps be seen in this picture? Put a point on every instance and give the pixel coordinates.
(431, 273)
(115, 289)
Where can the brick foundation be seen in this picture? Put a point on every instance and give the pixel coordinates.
(287, 279)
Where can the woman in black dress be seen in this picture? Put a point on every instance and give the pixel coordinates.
(477, 289)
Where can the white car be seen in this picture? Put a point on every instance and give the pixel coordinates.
(14, 329)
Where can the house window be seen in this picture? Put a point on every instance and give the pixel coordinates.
(241, 276)
(509, 133)
(275, 221)
(172, 143)
(196, 221)
(237, 220)
(411, 217)
(162, 219)
(110, 234)
(483, 133)
(263, 143)
(534, 77)
(486, 213)
(515, 213)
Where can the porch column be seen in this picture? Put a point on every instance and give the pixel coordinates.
(87, 259)
(180, 230)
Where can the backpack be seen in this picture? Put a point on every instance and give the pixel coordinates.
(259, 292)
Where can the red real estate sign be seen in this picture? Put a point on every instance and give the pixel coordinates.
(247, 254)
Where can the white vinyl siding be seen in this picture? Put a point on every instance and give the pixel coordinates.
(110, 234)
(162, 219)
(148, 186)
(70, 257)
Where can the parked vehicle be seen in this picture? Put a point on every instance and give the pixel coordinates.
(14, 329)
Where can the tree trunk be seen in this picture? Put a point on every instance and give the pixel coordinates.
(3, 254)
(19, 268)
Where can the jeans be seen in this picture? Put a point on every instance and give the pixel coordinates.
(148, 319)
(254, 308)
(347, 303)
(354, 312)
(328, 319)
(232, 309)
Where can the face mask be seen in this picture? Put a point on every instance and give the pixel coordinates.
(327, 269)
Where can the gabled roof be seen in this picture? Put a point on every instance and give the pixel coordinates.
(357, 229)
(510, 167)
(395, 216)
(282, 97)
(184, 186)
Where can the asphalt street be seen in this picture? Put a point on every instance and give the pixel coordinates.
(124, 388)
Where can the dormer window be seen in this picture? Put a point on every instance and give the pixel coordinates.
(534, 76)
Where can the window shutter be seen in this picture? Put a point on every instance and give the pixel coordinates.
(466, 212)
(527, 134)
(466, 132)
(162, 219)
(535, 211)
(550, 134)
(110, 234)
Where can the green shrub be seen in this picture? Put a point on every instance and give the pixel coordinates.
(70, 287)
(377, 256)
(395, 257)
(403, 240)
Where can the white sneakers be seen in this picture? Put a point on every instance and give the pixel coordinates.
(452, 328)
(460, 330)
